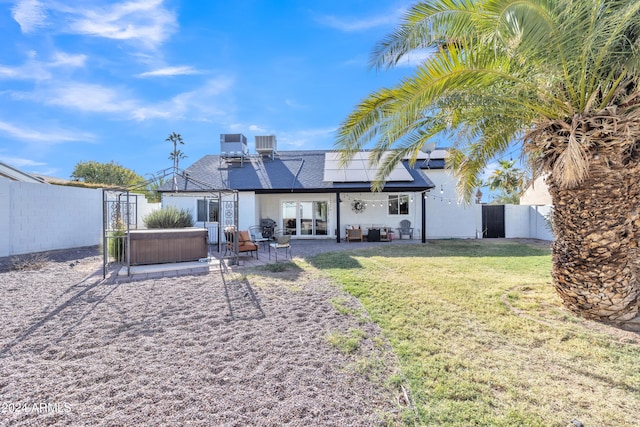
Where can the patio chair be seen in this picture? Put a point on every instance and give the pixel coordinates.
(282, 242)
(353, 234)
(257, 237)
(244, 241)
(405, 229)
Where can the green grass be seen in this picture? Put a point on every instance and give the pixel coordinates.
(347, 343)
(483, 339)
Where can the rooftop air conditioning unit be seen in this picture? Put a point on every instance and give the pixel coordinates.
(266, 145)
(233, 145)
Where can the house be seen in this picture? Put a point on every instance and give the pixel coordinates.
(308, 194)
(537, 193)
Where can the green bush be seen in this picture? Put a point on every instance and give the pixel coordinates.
(169, 217)
(116, 245)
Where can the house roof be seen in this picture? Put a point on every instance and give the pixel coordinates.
(287, 172)
(17, 175)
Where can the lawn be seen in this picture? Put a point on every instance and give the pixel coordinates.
(482, 338)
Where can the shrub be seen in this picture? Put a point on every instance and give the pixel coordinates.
(116, 245)
(116, 241)
(169, 217)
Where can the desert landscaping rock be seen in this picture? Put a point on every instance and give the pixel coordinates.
(188, 350)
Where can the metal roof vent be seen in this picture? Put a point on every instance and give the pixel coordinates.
(266, 145)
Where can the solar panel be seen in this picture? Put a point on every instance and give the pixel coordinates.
(359, 169)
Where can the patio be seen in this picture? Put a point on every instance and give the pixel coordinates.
(309, 248)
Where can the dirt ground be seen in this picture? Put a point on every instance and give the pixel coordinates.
(214, 349)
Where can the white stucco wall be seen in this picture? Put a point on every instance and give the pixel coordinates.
(537, 193)
(188, 202)
(539, 224)
(524, 221)
(144, 208)
(446, 218)
(247, 206)
(376, 212)
(48, 217)
(516, 221)
(247, 210)
(5, 217)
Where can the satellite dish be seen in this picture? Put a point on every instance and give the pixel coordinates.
(428, 147)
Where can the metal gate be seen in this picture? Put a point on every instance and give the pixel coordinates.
(493, 221)
(119, 216)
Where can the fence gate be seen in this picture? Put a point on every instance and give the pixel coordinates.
(119, 215)
(493, 221)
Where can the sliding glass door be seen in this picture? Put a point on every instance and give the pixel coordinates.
(305, 218)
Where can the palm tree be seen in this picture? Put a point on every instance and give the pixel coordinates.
(559, 78)
(509, 180)
(176, 155)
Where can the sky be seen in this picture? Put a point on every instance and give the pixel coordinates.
(110, 80)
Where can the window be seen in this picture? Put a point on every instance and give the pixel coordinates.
(398, 204)
(208, 210)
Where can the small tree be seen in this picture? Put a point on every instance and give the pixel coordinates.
(109, 174)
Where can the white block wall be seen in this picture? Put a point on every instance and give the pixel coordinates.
(539, 225)
(5, 216)
(524, 221)
(445, 217)
(41, 217)
(516, 221)
(182, 202)
(144, 208)
(449, 220)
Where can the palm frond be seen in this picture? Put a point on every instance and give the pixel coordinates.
(425, 25)
(506, 72)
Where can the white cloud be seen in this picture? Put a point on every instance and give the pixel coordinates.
(19, 162)
(170, 71)
(88, 97)
(202, 97)
(33, 69)
(29, 14)
(146, 21)
(51, 136)
(257, 129)
(62, 59)
(9, 72)
(414, 58)
(306, 137)
(350, 24)
(199, 104)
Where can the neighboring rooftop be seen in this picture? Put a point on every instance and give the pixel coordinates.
(14, 174)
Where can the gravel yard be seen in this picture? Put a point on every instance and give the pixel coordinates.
(214, 349)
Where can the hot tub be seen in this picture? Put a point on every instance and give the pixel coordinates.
(158, 246)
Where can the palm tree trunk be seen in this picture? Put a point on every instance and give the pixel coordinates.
(596, 267)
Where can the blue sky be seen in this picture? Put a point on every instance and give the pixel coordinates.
(110, 80)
